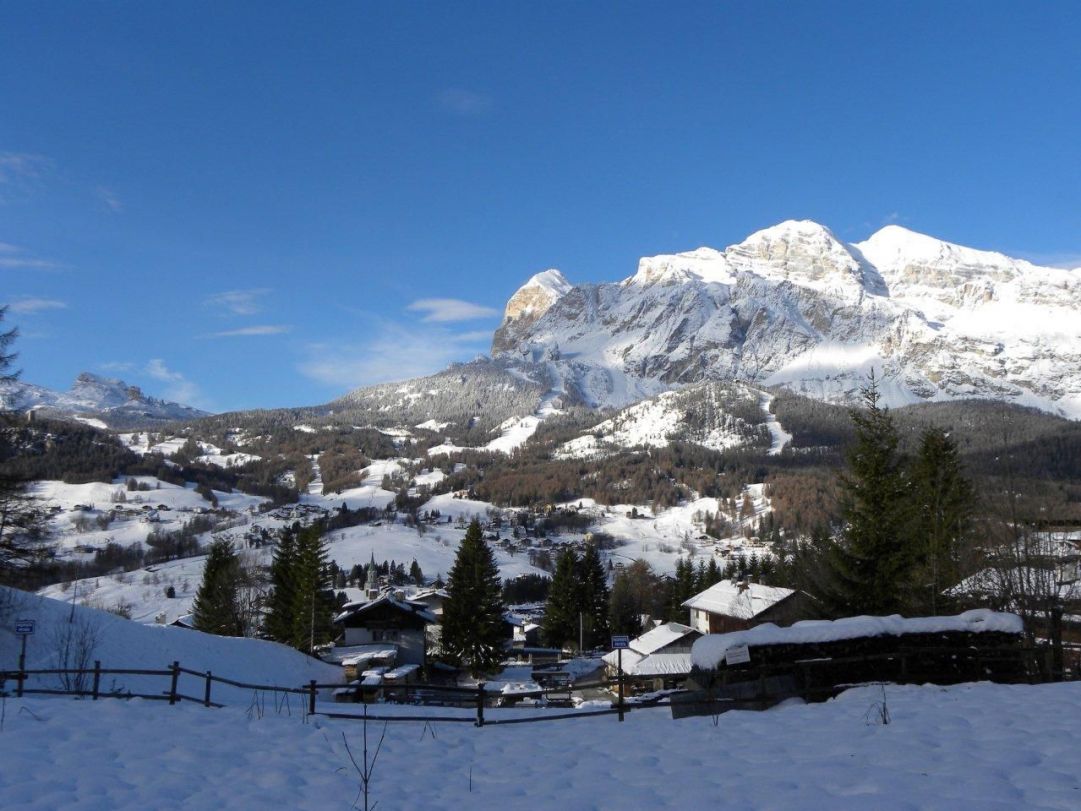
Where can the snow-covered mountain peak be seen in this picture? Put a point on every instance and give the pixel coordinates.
(529, 302)
(103, 392)
(908, 257)
(552, 280)
(805, 254)
(793, 305)
(704, 264)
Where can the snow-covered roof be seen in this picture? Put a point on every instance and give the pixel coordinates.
(400, 672)
(416, 609)
(661, 637)
(709, 651)
(660, 664)
(370, 653)
(733, 600)
(648, 643)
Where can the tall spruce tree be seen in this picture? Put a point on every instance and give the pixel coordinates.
(23, 527)
(300, 608)
(943, 502)
(313, 594)
(278, 622)
(872, 566)
(595, 597)
(216, 608)
(560, 625)
(472, 633)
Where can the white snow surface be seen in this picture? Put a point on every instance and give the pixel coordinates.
(125, 644)
(709, 650)
(972, 747)
(728, 598)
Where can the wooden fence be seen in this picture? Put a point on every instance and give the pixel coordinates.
(735, 688)
(87, 683)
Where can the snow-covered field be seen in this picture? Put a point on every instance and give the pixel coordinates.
(980, 746)
(123, 644)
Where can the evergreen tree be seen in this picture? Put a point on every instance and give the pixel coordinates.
(216, 608)
(301, 605)
(713, 574)
(415, 574)
(560, 623)
(23, 526)
(473, 612)
(873, 563)
(313, 600)
(943, 502)
(595, 598)
(278, 622)
(633, 593)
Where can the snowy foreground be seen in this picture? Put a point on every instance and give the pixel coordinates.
(980, 746)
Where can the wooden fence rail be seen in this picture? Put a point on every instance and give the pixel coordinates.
(86, 682)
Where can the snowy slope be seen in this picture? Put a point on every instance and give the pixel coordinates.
(792, 305)
(698, 414)
(122, 643)
(974, 747)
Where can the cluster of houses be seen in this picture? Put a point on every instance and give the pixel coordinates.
(661, 657)
(385, 640)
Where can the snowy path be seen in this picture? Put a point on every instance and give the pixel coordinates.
(780, 436)
(975, 746)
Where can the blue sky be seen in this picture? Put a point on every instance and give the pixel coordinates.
(265, 204)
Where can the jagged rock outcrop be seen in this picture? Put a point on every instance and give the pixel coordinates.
(532, 300)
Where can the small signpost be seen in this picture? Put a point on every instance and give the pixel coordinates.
(619, 643)
(737, 656)
(24, 628)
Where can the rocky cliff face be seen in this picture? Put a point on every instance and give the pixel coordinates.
(792, 305)
(532, 300)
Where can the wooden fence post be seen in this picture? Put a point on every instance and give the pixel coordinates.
(311, 697)
(206, 690)
(97, 678)
(480, 704)
(172, 687)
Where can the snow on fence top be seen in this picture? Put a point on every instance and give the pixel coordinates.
(708, 651)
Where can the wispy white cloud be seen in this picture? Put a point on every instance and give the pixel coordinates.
(446, 310)
(117, 366)
(398, 353)
(16, 167)
(260, 329)
(109, 199)
(178, 388)
(238, 302)
(13, 256)
(30, 305)
(463, 102)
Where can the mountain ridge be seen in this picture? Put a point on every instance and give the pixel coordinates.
(792, 305)
(109, 400)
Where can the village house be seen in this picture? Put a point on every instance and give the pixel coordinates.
(660, 658)
(735, 605)
(389, 622)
